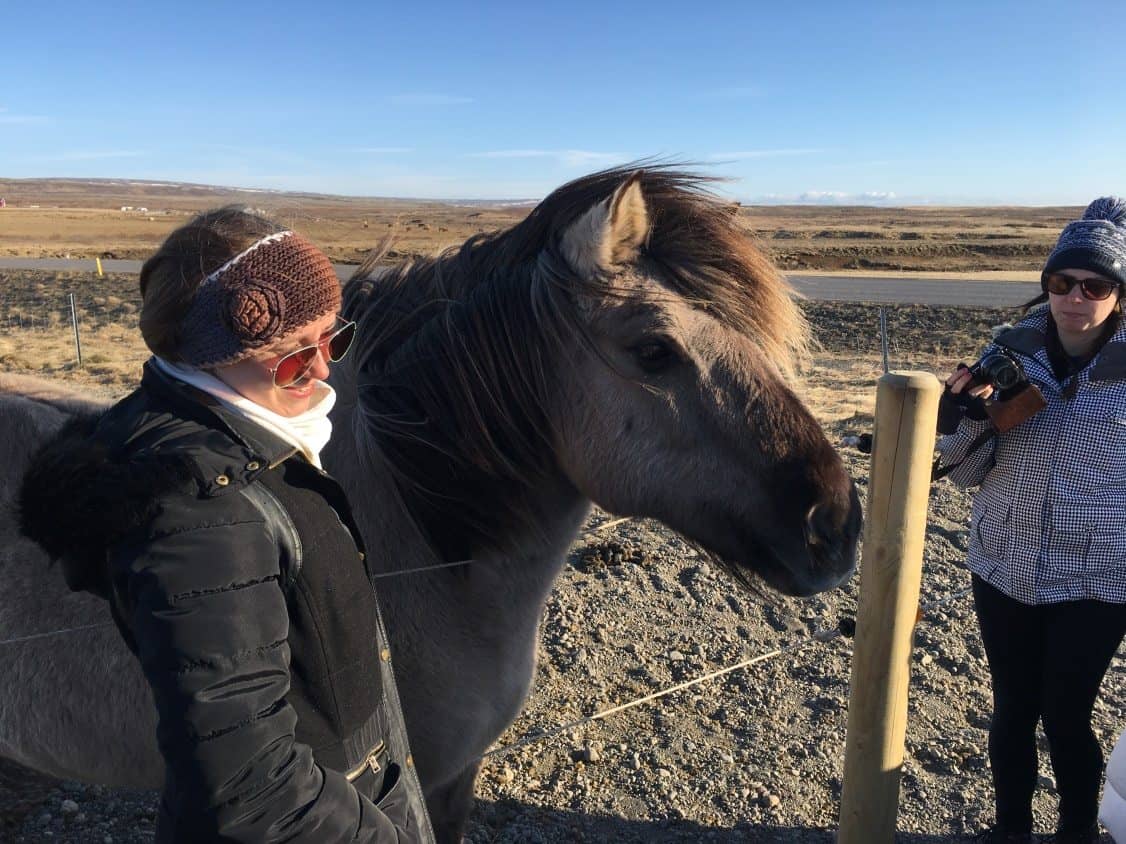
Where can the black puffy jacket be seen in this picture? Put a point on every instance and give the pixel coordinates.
(235, 572)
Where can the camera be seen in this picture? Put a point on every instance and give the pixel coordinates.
(1014, 398)
(1001, 371)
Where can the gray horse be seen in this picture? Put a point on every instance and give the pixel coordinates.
(624, 344)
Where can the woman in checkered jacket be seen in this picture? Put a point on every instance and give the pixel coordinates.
(1047, 544)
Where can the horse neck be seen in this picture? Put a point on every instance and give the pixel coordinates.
(516, 579)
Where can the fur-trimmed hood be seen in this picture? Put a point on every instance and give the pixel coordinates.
(103, 476)
(76, 499)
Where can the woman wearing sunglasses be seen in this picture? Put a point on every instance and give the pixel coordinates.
(230, 559)
(1047, 545)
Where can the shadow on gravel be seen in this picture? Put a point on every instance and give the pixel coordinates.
(507, 821)
(22, 791)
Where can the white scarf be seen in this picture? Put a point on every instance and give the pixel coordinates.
(309, 431)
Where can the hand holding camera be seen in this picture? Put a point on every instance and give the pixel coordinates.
(961, 398)
(963, 384)
(994, 387)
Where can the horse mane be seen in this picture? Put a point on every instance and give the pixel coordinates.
(455, 353)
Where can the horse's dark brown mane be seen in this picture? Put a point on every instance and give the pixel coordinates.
(696, 240)
(456, 354)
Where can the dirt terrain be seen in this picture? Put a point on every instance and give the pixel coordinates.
(755, 755)
(61, 217)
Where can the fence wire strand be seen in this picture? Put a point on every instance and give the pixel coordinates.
(822, 634)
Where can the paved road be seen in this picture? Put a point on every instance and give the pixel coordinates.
(915, 290)
(844, 288)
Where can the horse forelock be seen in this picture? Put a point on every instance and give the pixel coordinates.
(697, 245)
(456, 354)
(696, 240)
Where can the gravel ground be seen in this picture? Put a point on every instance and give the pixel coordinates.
(754, 755)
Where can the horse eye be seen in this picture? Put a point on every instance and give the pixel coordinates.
(654, 355)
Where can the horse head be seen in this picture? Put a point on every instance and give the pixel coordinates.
(625, 341)
(678, 407)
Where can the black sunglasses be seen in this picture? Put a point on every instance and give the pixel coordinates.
(1095, 289)
(295, 365)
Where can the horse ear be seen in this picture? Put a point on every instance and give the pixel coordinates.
(610, 233)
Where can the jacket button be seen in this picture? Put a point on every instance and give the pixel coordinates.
(363, 556)
(222, 480)
(410, 761)
(385, 655)
(252, 466)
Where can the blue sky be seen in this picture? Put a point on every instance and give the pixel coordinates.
(908, 102)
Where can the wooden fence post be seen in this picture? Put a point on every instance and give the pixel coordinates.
(891, 567)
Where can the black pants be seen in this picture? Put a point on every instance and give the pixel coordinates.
(1047, 662)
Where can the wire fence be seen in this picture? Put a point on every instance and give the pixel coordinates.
(54, 322)
(52, 312)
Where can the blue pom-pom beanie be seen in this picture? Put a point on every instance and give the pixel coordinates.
(1096, 243)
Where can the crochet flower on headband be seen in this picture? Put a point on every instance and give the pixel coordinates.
(255, 311)
(272, 288)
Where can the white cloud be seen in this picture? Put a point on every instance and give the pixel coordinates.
(823, 196)
(420, 99)
(839, 197)
(743, 155)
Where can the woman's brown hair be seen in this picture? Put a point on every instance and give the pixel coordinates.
(170, 278)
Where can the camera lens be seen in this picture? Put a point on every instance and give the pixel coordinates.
(1001, 372)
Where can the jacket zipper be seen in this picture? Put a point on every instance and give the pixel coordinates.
(370, 761)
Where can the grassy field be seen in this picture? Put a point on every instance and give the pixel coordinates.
(56, 218)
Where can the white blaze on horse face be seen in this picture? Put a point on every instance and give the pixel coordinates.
(610, 233)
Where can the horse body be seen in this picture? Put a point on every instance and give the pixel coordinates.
(74, 705)
(623, 345)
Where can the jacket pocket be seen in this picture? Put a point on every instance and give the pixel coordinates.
(991, 530)
(1088, 539)
(392, 798)
(370, 783)
(1100, 439)
(387, 794)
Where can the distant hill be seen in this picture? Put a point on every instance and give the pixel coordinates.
(101, 193)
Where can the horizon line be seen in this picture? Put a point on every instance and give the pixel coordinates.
(838, 199)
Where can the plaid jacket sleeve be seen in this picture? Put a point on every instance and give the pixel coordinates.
(958, 449)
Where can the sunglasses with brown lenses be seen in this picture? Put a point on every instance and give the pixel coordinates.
(1095, 289)
(295, 365)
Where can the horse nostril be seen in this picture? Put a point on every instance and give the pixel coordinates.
(821, 526)
(829, 523)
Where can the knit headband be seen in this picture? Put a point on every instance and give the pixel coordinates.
(274, 287)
